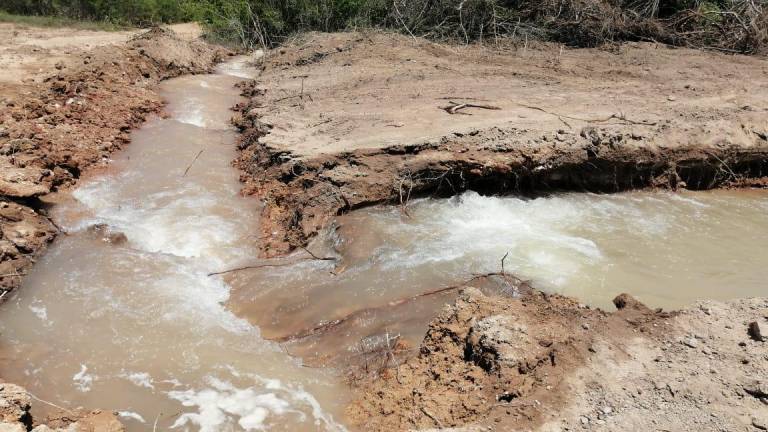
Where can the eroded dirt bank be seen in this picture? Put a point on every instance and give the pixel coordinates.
(338, 122)
(547, 363)
(80, 112)
(341, 121)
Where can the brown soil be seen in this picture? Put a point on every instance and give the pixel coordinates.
(341, 121)
(80, 112)
(546, 363)
(15, 416)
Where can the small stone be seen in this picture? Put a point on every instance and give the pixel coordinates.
(606, 410)
(585, 326)
(755, 332)
(671, 98)
(584, 420)
(690, 342)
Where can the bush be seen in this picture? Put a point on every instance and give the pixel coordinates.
(729, 25)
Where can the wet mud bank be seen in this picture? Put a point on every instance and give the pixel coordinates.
(304, 194)
(52, 132)
(548, 363)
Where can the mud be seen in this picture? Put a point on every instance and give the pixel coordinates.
(364, 123)
(547, 363)
(52, 131)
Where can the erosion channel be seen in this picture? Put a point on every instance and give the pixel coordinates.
(146, 307)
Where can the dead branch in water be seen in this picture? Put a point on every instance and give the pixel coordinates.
(323, 327)
(186, 171)
(312, 257)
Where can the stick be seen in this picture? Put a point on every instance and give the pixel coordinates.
(193, 162)
(428, 414)
(502, 261)
(455, 107)
(256, 266)
(50, 403)
(329, 325)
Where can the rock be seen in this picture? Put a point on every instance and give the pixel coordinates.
(498, 341)
(14, 404)
(606, 410)
(12, 427)
(21, 182)
(626, 301)
(19, 145)
(754, 331)
(690, 342)
(104, 232)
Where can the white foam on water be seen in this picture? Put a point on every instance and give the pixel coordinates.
(131, 415)
(83, 380)
(476, 231)
(193, 114)
(141, 379)
(220, 405)
(40, 311)
(179, 221)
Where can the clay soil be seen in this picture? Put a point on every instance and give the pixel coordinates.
(340, 121)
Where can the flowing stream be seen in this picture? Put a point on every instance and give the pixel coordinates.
(138, 326)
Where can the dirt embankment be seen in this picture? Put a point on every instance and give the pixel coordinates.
(336, 122)
(15, 416)
(547, 363)
(81, 112)
(341, 121)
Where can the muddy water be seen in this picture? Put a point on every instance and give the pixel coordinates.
(667, 249)
(139, 327)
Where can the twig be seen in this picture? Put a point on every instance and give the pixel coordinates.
(193, 162)
(264, 265)
(154, 427)
(502, 261)
(455, 107)
(620, 116)
(428, 414)
(50, 403)
(329, 325)
(317, 257)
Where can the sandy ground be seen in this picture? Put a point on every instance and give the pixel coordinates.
(379, 90)
(30, 54)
